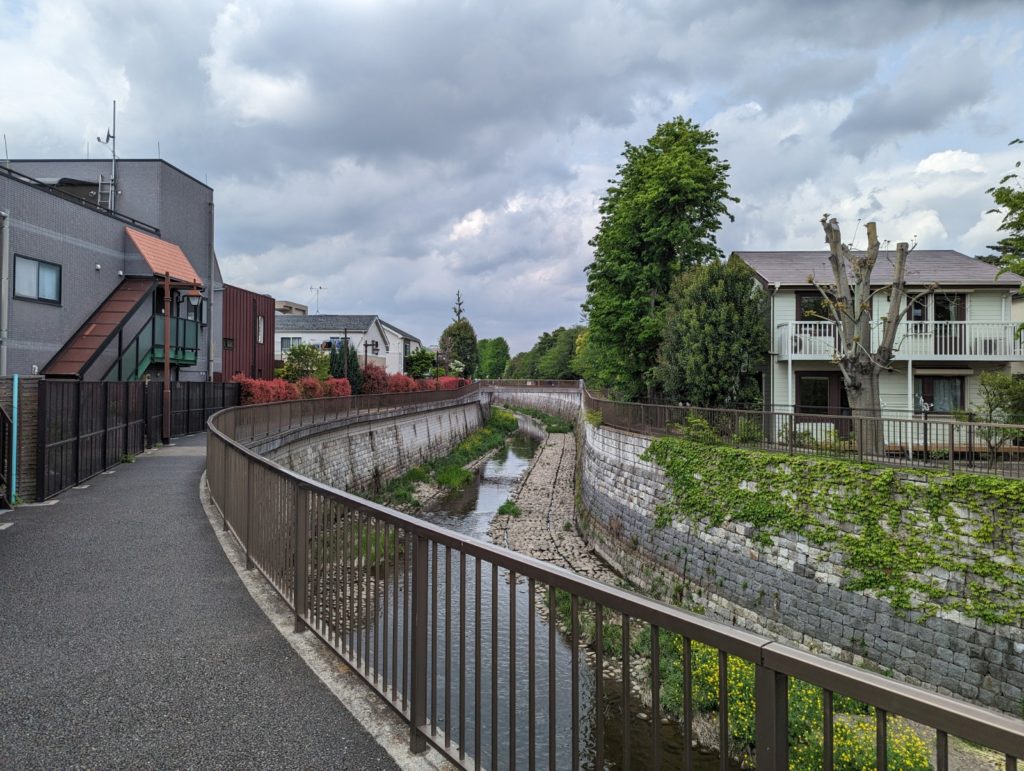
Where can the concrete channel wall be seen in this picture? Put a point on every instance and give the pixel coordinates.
(367, 453)
(790, 590)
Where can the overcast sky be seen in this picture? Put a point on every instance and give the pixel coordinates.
(393, 152)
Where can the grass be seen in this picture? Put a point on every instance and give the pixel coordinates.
(448, 472)
(552, 423)
(509, 509)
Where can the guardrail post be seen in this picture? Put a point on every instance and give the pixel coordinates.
(248, 512)
(418, 684)
(771, 720)
(301, 545)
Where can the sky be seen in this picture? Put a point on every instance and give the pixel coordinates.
(395, 151)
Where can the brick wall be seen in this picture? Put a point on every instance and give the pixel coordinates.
(28, 430)
(790, 590)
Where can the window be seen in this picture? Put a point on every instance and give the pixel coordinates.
(406, 345)
(939, 393)
(288, 342)
(336, 343)
(36, 280)
(229, 343)
(260, 324)
(811, 306)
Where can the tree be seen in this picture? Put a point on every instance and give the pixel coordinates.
(305, 360)
(353, 372)
(1009, 198)
(716, 337)
(419, 363)
(458, 343)
(1002, 401)
(457, 308)
(555, 362)
(493, 357)
(848, 302)
(658, 217)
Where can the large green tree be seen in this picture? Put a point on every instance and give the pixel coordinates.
(659, 216)
(493, 356)
(715, 338)
(551, 357)
(1009, 198)
(458, 343)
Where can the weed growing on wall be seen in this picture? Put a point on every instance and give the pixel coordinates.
(907, 539)
(448, 472)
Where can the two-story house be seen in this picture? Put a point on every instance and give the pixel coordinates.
(97, 275)
(947, 339)
(376, 341)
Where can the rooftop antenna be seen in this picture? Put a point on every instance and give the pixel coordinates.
(317, 290)
(111, 140)
(158, 155)
(7, 155)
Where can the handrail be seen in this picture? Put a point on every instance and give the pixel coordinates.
(332, 555)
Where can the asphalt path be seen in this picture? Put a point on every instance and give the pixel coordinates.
(127, 640)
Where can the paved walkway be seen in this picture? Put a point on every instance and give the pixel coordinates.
(128, 640)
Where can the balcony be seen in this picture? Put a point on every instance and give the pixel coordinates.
(918, 341)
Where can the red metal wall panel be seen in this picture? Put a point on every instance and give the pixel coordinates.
(241, 351)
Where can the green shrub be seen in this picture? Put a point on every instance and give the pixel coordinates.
(748, 431)
(594, 417)
(552, 423)
(509, 509)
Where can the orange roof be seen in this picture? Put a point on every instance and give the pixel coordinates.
(164, 257)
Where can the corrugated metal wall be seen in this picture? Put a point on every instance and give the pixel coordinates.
(242, 352)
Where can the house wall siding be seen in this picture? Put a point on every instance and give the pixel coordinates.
(247, 356)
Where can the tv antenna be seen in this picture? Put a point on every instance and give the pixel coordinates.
(111, 141)
(317, 290)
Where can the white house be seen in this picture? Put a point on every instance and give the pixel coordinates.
(946, 341)
(400, 345)
(376, 341)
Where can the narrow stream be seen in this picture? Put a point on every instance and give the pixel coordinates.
(455, 674)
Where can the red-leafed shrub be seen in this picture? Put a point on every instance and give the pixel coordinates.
(400, 384)
(337, 386)
(426, 384)
(375, 380)
(310, 388)
(448, 383)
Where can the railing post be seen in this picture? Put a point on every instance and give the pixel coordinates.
(418, 684)
(301, 546)
(771, 729)
(249, 495)
(792, 430)
(952, 439)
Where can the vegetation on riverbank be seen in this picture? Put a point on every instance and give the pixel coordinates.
(449, 472)
(552, 423)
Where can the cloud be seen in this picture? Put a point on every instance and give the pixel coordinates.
(394, 152)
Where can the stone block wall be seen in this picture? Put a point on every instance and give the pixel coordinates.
(563, 403)
(365, 455)
(790, 590)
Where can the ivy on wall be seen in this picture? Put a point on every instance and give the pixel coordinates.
(926, 542)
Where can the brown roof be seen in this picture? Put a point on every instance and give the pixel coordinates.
(924, 266)
(80, 351)
(164, 257)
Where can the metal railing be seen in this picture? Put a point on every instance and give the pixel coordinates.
(913, 442)
(482, 650)
(574, 385)
(916, 340)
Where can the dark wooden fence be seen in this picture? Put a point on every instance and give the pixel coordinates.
(86, 428)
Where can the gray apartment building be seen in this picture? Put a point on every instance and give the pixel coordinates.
(94, 275)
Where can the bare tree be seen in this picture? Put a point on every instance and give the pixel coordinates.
(848, 301)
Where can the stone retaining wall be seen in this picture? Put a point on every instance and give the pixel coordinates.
(366, 454)
(563, 403)
(790, 590)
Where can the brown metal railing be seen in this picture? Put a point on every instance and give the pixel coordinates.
(920, 442)
(458, 635)
(573, 385)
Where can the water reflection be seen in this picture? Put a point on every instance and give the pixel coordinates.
(481, 681)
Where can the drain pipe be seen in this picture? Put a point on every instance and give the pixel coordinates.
(5, 285)
(209, 321)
